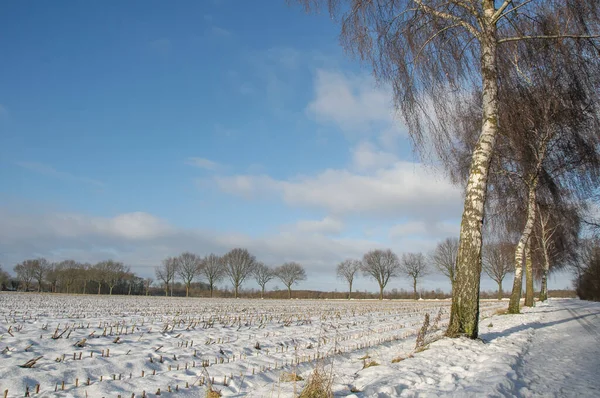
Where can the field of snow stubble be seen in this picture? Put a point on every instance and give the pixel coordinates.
(100, 346)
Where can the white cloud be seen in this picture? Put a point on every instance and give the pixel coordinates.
(414, 229)
(61, 175)
(327, 225)
(143, 240)
(403, 190)
(203, 163)
(131, 226)
(354, 104)
(365, 156)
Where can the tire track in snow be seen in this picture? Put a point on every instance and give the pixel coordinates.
(585, 323)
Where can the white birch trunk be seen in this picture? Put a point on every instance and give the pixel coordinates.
(515, 297)
(528, 276)
(464, 318)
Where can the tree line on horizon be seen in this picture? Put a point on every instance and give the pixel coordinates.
(190, 272)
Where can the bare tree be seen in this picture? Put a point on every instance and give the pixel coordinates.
(85, 274)
(147, 284)
(52, 276)
(188, 267)
(263, 275)
(68, 271)
(40, 269)
(113, 272)
(347, 269)
(213, 270)
(26, 273)
(381, 265)
(434, 53)
(4, 278)
(498, 262)
(444, 258)
(414, 266)
(290, 273)
(238, 266)
(166, 273)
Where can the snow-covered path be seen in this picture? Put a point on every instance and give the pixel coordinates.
(563, 359)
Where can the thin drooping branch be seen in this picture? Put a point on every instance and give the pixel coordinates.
(547, 37)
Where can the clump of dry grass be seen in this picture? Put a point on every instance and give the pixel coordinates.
(289, 376)
(501, 311)
(368, 364)
(400, 359)
(318, 386)
(210, 393)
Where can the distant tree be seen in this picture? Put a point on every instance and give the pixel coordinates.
(347, 269)
(166, 273)
(213, 270)
(4, 279)
(130, 280)
(188, 267)
(147, 284)
(68, 271)
(113, 272)
(290, 273)
(26, 272)
(414, 266)
(263, 275)
(52, 276)
(238, 266)
(41, 268)
(381, 265)
(444, 258)
(498, 261)
(85, 273)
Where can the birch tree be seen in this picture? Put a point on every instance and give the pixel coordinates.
(188, 266)
(290, 274)
(381, 265)
(213, 270)
(238, 265)
(444, 258)
(435, 54)
(346, 270)
(263, 275)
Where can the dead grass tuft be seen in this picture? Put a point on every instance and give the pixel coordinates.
(501, 311)
(400, 359)
(318, 386)
(210, 393)
(286, 377)
(368, 364)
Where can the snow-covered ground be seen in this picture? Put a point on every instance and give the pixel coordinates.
(249, 347)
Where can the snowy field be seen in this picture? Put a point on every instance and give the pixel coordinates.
(124, 346)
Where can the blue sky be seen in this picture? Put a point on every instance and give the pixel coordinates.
(137, 130)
